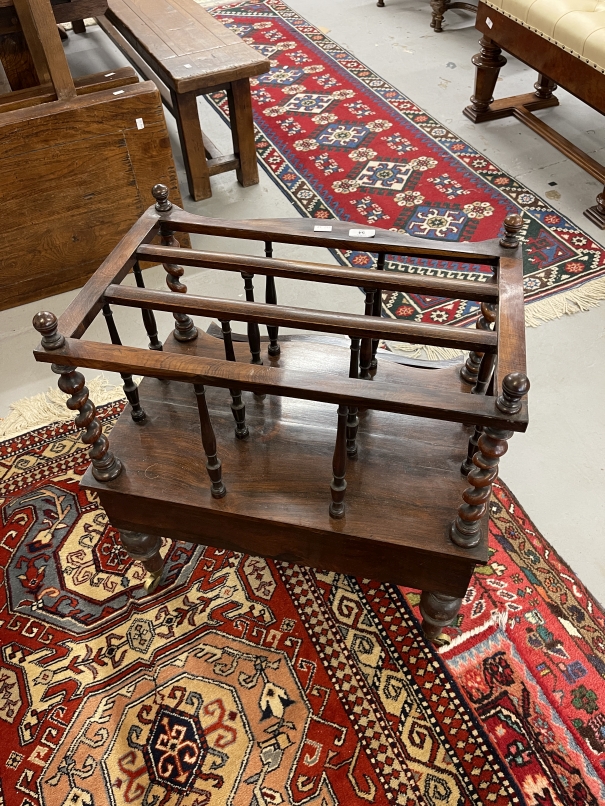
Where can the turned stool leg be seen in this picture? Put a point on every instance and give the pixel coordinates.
(438, 610)
(184, 329)
(488, 63)
(145, 549)
(184, 107)
(242, 131)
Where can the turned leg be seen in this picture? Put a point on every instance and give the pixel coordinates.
(184, 106)
(339, 463)
(488, 63)
(184, 329)
(438, 610)
(145, 549)
(380, 3)
(544, 87)
(131, 390)
(439, 7)
(470, 371)
(242, 131)
(148, 315)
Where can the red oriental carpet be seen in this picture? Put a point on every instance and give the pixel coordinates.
(254, 683)
(341, 142)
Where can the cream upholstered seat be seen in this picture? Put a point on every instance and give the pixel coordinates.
(577, 26)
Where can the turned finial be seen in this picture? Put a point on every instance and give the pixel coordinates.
(160, 194)
(46, 324)
(514, 387)
(512, 227)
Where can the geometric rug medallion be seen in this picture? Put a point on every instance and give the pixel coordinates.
(245, 681)
(341, 142)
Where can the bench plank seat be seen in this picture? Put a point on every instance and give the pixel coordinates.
(177, 43)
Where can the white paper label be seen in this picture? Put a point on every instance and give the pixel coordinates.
(187, 65)
(140, 124)
(109, 75)
(322, 228)
(119, 92)
(489, 23)
(362, 233)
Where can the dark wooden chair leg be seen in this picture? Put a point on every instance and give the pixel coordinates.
(184, 106)
(213, 463)
(242, 131)
(145, 549)
(237, 406)
(184, 329)
(438, 8)
(148, 315)
(488, 63)
(339, 464)
(438, 610)
(78, 26)
(131, 390)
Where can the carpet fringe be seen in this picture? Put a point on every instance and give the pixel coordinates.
(499, 618)
(586, 296)
(49, 407)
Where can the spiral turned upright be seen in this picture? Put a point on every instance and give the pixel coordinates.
(105, 466)
(466, 529)
(184, 329)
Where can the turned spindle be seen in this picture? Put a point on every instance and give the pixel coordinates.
(339, 464)
(466, 529)
(105, 466)
(470, 370)
(544, 87)
(213, 463)
(184, 329)
(237, 406)
(148, 315)
(513, 224)
(131, 390)
(271, 299)
(253, 329)
(145, 549)
(377, 310)
(365, 360)
(352, 418)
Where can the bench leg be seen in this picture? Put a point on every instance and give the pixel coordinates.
(487, 63)
(192, 143)
(242, 131)
(596, 213)
(78, 26)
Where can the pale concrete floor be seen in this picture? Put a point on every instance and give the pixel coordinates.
(557, 469)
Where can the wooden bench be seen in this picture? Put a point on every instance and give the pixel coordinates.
(565, 43)
(188, 53)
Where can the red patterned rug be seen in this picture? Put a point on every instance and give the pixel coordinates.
(255, 683)
(341, 142)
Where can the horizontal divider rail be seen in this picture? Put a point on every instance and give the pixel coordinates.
(413, 398)
(353, 325)
(301, 231)
(318, 272)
